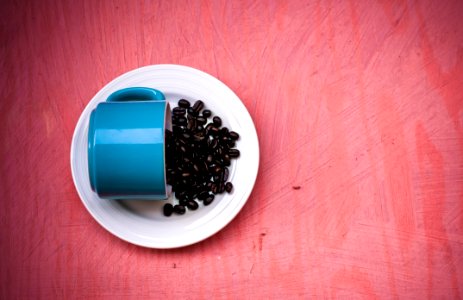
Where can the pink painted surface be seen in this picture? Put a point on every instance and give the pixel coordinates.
(360, 103)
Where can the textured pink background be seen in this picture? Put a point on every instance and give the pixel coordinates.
(358, 102)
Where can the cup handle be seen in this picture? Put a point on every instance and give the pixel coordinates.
(136, 94)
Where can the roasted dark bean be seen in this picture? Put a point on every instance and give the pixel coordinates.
(201, 120)
(233, 135)
(207, 113)
(203, 195)
(184, 103)
(198, 106)
(181, 121)
(217, 170)
(214, 188)
(229, 187)
(226, 160)
(224, 131)
(168, 209)
(208, 200)
(192, 205)
(225, 174)
(234, 153)
(179, 111)
(179, 209)
(213, 131)
(192, 112)
(217, 121)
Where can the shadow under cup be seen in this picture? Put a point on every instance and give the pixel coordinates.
(126, 149)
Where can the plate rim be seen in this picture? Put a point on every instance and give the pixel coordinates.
(231, 216)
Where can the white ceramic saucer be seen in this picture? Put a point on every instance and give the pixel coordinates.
(142, 222)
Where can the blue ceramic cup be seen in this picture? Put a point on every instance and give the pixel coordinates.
(126, 148)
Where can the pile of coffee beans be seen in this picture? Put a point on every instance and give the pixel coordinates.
(198, 153)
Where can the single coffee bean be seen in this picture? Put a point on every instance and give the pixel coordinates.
(179, 209)
(207, 113)
(233, 135)
(198, 106)
(226, 160)
(208, 200)
(213, 131)
(201, 120)
(229, 187)
(180, 195)
(192, 205)
(203, 195)
(221, 188)
(217, 121)
(234, 153)
(225, 174)
(198, 137)
(181, 121)
(184, 103)
(214, 188)
(224, 131)
(192, 112)
(217, 170)
(168, 209)
(179, 111)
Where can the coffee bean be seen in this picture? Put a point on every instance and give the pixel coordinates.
(192, 205)
(201, 120)
(233, 135)
(179, 111)
(226, 160)
(207, 113)
(198, 106)
(229, 187)
(234, 153)
(181, 121)
(217, 121)
(192, 112)
(184, 103)
(168, 209)
(214, 188)
(217, 170)
(208, 200)
(179, 209)
(224, 132)
(225, 174)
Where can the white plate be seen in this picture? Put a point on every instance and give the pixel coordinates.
(142, 222)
